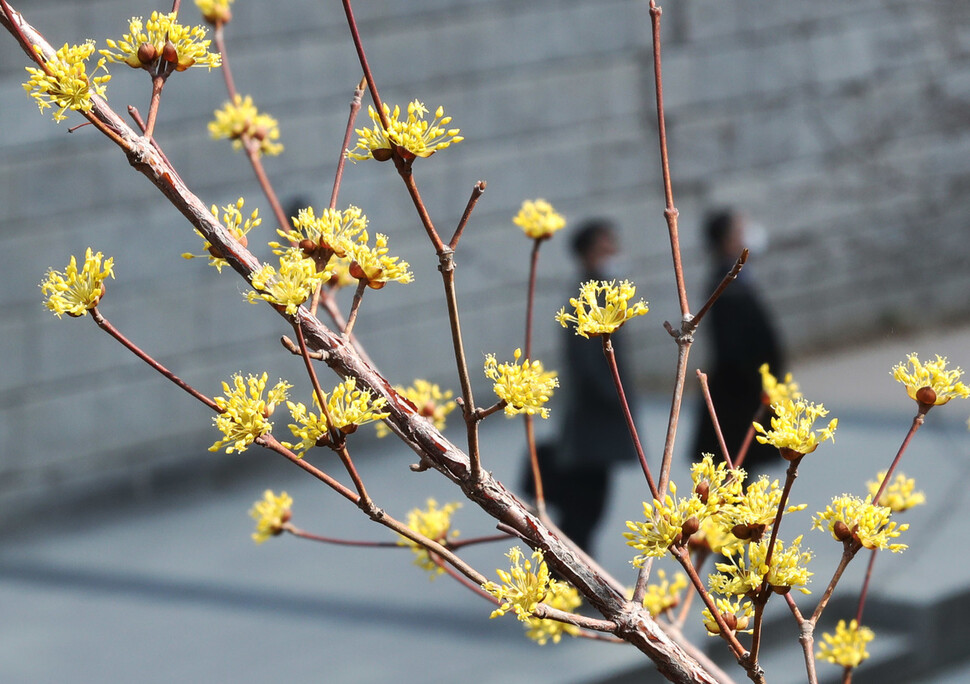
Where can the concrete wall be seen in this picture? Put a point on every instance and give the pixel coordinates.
(842, 127)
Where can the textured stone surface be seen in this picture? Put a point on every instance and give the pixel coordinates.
(840, 127)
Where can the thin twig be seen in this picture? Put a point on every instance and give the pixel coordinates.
(706, 391)
(220, 39)
(676, 402)
(103, 323)
(255, 160)
(917, 421)
(719, 290)
(342, 160)
(355, 307)
(759, 417)
(477, 192)
(271, 443)
(848, 553)
(158, 82)
(530, 437)
(865, 586)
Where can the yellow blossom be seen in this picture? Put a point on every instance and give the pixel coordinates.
(663, 595)
(787, 570)
(289, 287)
(563, 597)
(591, 319)
(215, 11)
(938, 384)
(663, 524)
(372, 265)
(717, 486)
(339, 268)
(751, 515)
(847, 647)
(851, 517)
(538, 219)
(435, 524)
(66, 84)
(240, 121)
(774, 392)
(736, 611)
(270, 514)
(429, 401)
(74, 293)
(900, 495)
(232, 219)
(525, 388)
(716, 536)
(791, 427)
(349, 408)
(523, 587)
(245, 413)
(414, 137)
(162, 45)
(331, 233)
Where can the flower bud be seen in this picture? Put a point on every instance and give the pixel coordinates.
(169, 53)
(147, 53)
(731, 620)
(926, 396)
(841, 531)
(381, 154)
(690, 526)
(703, 491)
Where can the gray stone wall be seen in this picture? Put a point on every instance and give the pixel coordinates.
(842, 127)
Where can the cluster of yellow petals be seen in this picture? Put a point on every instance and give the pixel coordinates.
(792, 427)
(538, 219)
(215, 11)
(232, 219)
(736, 611)
(429, 401)
(847, 647)
(663, 524)
(664, 595)
(241, 122)
(775, 392)
(754, 513)
(289, 286)
(945, 384)
(271, 513)
(563, 597)
(65, 84)
(851, 517)
(786, 569)
(333, 232)
(591, 318)
(372, 265)
(525, 388)
(245, 412)
(413, 137)
(162, 44)
(434, 523)
(900, 495)
(349, 408)
(75, 292)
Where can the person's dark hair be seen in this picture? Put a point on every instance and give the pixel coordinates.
(587, 234)
(717, 226)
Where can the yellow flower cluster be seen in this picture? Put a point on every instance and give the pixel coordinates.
(716, 485)
(785, 571)
(592, 319)
(270, 513)
(349, 408)
(240, 121)
(215, 11)
(289, 286)
(232, 219)
(162, 44)
(751, 516)
(900, 495)
(931, 383)
(774, 392)
(73, 292)
(847, 647)
(664, 595)
(429, 401)
(245, 413)
(434, 523)
(850, 517)
(331, 233)
(792, 427)
(663, 525)
(66, 84)
(538, 219)
(414, 137)
(372, 266)
(525, 388)
(736, 611)
(563, 597)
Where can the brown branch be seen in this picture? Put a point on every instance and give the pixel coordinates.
(477, 192)
(348, 132)
(706, 391)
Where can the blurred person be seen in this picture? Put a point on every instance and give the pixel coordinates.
(593, 436)
(744, 338)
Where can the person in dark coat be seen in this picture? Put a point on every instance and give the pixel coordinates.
(744, 338)
(594, 436)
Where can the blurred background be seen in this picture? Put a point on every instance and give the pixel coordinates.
(839, 129)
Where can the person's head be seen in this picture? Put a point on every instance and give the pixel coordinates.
(724, 232)
(593, 243)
